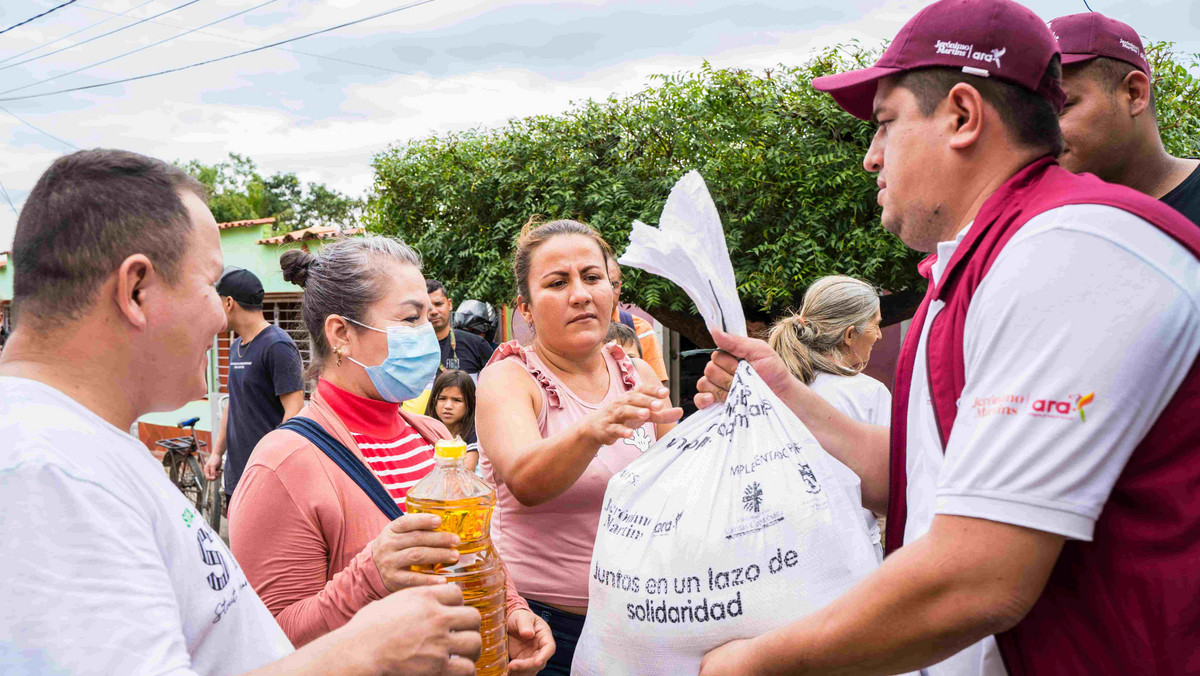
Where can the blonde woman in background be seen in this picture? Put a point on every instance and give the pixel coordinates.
(828, 344)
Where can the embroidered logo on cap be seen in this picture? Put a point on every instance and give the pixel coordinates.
(1132, 47)
(953, 48)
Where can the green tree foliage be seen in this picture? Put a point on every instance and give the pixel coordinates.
(238, 192)
(1177, 97)
(782, 161)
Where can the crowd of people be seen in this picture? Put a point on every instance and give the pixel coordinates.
(1036, 458)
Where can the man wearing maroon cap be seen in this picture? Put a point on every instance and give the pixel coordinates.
(1109, 122)
(1041, 466)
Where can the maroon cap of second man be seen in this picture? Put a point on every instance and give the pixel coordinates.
(988, 38)
(1083, 37)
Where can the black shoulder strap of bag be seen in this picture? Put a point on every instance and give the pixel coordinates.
(345, 458)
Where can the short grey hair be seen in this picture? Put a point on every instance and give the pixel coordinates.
(343, 279)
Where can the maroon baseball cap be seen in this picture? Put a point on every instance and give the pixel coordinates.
(988, 38)
(1083, 37)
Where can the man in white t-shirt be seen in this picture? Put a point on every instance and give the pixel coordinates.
(1043, 447)
(107, 568)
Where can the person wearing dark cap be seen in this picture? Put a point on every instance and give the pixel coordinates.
(1040, 465)
(1109, 121)
(265, 383)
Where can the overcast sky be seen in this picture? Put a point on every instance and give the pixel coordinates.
(443, 65)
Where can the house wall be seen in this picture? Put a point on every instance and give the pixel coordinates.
(240, 248)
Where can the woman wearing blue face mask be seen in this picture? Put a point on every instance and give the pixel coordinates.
(311, 522)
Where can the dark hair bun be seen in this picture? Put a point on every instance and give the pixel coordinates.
(295, 265)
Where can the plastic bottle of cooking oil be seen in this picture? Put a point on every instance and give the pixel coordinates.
(465, 503)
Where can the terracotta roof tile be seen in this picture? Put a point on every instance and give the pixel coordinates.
(246, 224)
(313, 233)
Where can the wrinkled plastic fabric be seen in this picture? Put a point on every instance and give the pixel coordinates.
(735, 523)
(688, 248)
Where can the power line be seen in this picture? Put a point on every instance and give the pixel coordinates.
(232, 38)
(9, 200)
(32, 18)
(23, 121)
(115, 15)
(139, 49)
(219, 58)
(102, 35)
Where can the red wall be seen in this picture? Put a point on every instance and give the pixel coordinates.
(882, 366)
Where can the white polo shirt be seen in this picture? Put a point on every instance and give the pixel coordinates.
(1086, 304)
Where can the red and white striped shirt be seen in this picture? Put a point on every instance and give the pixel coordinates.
(396, 453)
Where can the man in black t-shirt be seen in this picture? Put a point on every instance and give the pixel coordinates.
(461, 350)
(265, 382)
(1109, 120)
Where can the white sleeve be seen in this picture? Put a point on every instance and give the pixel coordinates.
(1064, 315)
(85, 589)
(881, 406)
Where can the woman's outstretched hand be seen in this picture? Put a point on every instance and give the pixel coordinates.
(619, 418)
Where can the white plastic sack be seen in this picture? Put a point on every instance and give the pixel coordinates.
(688, 248)
(735, 523)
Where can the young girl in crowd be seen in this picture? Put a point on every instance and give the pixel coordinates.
(625, 337)
(558, 418)
(312, 543)
(452, 400)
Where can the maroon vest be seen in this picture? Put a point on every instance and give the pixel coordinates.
(1128, 602)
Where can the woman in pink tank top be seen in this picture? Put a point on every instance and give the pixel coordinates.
(557, 419)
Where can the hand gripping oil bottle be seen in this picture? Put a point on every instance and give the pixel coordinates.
(465, 503)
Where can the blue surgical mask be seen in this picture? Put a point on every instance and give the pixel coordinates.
(412, 361)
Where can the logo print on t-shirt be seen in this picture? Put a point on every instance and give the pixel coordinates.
(1084, 401)
(212, 556)
(640, 439)
(1062, 409)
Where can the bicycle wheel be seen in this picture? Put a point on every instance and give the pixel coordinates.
(173, 462)
(191, 481)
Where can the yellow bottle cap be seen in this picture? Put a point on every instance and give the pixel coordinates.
(450, 448)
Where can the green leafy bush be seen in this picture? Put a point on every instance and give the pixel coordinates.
(782, 161)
